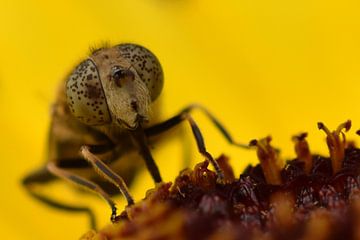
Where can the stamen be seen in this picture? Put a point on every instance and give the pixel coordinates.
(303, 151)
(346, 125)
(322, 126)
(268, 160)
(336, 142)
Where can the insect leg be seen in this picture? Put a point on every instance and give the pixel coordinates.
(43, 176)
(185, 115)
(161, 127)
(61, 173)
(201, 146)
(107, 173)
(140, 139)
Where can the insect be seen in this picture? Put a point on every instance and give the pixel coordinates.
(101, 114)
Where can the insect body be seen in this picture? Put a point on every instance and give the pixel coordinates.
(102, 112)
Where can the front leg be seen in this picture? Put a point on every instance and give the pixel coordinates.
(107, 173)
(139, 138)
(178, 118)
(185, 115)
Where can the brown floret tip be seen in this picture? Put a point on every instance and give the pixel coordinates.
(336, 142)
(269, 160)
(302, 151)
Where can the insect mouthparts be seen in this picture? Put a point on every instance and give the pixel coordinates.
(140, 118)
(138, 121)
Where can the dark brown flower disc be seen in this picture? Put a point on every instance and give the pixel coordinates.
(311, 197)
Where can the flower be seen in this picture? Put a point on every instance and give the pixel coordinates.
(310, 197)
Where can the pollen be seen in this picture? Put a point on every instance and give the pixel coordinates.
(309, 197)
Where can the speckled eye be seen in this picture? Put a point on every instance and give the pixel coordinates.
(146, 65)
(85, 95)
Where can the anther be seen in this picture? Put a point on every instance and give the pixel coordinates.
(336, 142)
(268, 160)
(303, 151)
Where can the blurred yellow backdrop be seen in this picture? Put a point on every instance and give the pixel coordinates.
(263, 67)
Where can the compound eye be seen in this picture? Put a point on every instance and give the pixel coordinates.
(119, 75)
(146, 65)
(85, 95)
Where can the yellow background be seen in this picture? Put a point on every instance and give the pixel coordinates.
(263, 67)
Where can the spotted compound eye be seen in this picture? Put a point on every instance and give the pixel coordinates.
(146, 65)
(85, 95)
